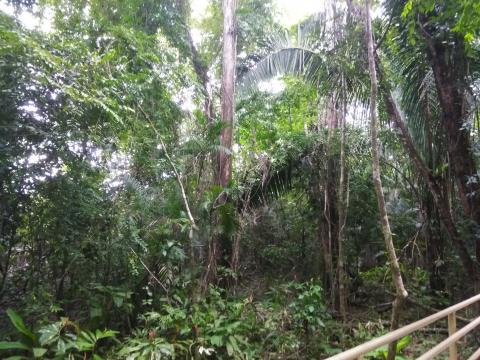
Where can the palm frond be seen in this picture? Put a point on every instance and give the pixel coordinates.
(321, 54)
(286, 61)
(417, 95)
(278, 179)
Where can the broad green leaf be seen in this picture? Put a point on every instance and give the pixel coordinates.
(216, 340)
(105, 334)
(403, 342)
(233, 341)
(118, 301)
(39, 352)
(19, 324)
(49, 334)
(229, 349)
(407, 9)
(10, 345)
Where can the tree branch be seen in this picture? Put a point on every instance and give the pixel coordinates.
(174, 168)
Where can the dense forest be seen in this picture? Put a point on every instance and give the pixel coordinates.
(178, 183)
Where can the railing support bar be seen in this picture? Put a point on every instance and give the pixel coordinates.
(452, 328)
(445, 344)
(475, 355)
(399, 333)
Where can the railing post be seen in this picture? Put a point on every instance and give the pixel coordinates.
(452, 328)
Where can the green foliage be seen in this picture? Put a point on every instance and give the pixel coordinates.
(229, 327)
(107, 304)
(382, 352)
(308, 308)
(58, 340)
(17, 321)
(460, 16)
(214, 325)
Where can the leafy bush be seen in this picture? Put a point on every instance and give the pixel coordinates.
(216, 325)
(308, 308)
(230, 328)
(212, 325)
(59, 340)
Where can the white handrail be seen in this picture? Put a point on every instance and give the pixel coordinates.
(373, 344)
(438, 349)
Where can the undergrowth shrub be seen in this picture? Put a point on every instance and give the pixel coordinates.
(231, 328)
(218, 326)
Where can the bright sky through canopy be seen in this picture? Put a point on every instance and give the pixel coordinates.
(291, 11)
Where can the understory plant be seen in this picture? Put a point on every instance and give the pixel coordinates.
(230, 328)
(62, 339)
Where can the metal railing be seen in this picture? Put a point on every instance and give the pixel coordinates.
(450, 343)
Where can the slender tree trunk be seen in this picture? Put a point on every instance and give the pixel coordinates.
(342, 217)
(330, 206)
(401, 293)
(201, 70)
(224, 156)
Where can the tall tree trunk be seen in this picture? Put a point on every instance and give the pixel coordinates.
(434, 249)
(342, 216)
(228, 93)
(401, 293)
(224, 156)
(439, 197)
(434, 246)
(441, 201)
(448, 62)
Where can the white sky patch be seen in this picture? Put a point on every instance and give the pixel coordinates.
(31, 108)
(184, 99)
(274, 86)
(199, 8)
(118, 167)
(31, 20)
(7, 8)
(36, 158)
(197, 36)
(291, 11)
